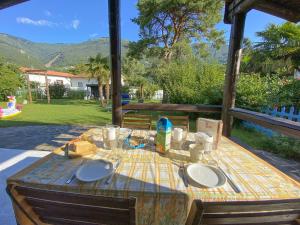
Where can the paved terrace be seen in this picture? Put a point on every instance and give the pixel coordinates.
(21, 146)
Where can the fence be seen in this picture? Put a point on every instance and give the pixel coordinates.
(291, 114)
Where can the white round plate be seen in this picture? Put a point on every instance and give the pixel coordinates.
(94, 170)
(205, 175)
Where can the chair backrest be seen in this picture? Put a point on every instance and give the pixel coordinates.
(59, 208)
(253, 212)
(136, 121)
(180, 121)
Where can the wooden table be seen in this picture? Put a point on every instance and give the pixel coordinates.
(154, 180)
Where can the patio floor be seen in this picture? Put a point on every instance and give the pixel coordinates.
(21, 146)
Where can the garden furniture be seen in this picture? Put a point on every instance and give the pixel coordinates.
(137, 121)
(38, 206)
(162, 197)
(180, 121)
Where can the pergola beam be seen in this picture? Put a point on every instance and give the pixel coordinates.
(115, 58)
(232, 71)
(276, 9)
(237, 7)
(7, 3)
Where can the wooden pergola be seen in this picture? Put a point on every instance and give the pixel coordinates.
(235, 14)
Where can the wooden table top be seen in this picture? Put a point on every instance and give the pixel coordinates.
(153, 178)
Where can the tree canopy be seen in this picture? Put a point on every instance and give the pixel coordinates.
(163, 23)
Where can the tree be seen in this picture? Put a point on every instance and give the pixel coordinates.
(163, 23)
(281, 42)
(135, 74)
(10, 80)
(98, 68)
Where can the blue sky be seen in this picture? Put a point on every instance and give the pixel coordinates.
(73, 21)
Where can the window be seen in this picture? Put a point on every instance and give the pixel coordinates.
(80, 84)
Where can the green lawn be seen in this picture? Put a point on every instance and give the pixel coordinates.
(71, 112)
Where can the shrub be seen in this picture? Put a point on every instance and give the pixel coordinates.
(191, 81)
(57, 90)
(255, 91)
(289, 94)
(10, 81)
(76, 94)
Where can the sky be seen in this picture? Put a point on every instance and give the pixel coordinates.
(74, 21)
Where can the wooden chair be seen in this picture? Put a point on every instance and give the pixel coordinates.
(238, 213)
(38, 207)
(180, 121)
(136, 121)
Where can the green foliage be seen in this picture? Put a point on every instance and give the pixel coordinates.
(10, 80)
(98, 67)
(191, 81)
(289, 94)
(75, 94)
(255, 91)
(166, 22)
(57, 90)
(278, 52)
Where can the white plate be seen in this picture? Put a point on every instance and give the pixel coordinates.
(94, 170)
(205, 175)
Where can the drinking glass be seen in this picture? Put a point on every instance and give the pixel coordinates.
(110, 136)
(179, 136)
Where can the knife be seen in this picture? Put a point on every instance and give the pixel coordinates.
(230, 181)
(74, 174)
(109, 179)
(185, 181)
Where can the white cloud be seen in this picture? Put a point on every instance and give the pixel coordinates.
(25, 20)
(75, 24)
(94, 35)
(48, 13)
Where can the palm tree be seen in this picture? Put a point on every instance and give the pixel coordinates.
(98, 68)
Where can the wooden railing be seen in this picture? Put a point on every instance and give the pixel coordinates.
(281, 125)
(174, 107)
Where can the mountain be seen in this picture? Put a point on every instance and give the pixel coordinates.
(40, 55)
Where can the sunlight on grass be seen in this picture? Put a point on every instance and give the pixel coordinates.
(67, 112)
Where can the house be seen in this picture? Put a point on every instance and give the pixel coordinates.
(70, 81)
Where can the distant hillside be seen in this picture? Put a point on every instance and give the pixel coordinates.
(40, 55)
(58, 56)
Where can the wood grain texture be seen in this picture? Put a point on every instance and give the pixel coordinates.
(44, 206)
(263, 212)
(232, 71)
(174, 107)
(281, 125)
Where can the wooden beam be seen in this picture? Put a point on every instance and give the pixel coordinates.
(237, 7)
(8, 3)
(276, 9)
(174, 107)
(281, 125)
(115, 57)
(232, 71)
(29, 89)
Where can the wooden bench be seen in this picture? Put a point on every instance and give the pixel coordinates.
(243, 212)
(137, 121)
(180, 121)
(38, 207)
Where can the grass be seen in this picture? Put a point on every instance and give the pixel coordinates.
(284, 146)
(67, 112)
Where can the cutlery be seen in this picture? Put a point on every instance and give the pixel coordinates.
(74, 174)
(230, 181)
(185, 181)
(109, 179)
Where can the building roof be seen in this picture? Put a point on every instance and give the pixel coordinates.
(48, 72)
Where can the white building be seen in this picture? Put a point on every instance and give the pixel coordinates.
(70, 81)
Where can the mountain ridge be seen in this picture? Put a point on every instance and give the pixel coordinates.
(42, 55)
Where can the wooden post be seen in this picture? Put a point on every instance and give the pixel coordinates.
(29, 89)
(47, 88)
(232, 71)
(115, 56)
